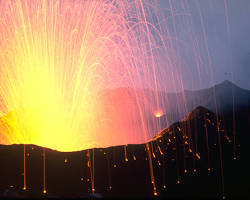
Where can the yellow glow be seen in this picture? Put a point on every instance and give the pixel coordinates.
(44, 94)
(158, 113)
(59, 64)
(47, 82)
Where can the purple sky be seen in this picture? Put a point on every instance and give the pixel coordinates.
(229, 51)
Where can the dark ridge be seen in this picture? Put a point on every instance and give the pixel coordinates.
(131, 178)
(198, 112)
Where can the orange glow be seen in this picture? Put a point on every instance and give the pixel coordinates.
(56, 68)
(158, 113)
(198, 156)
(153, 154)
(160, 150)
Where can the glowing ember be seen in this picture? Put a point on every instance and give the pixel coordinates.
(158, 114)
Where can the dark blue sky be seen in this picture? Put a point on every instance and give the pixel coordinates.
(229, 51)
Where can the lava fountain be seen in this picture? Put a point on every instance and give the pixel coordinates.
(77, 75)
(61, 62)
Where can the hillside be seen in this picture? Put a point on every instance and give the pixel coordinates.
(180, 162)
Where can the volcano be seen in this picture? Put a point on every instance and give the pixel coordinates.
(179, 157)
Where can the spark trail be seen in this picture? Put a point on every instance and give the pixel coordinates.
(70, 73)
(59, 60)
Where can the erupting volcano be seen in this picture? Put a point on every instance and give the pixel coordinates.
(58, 58)
(90, 86)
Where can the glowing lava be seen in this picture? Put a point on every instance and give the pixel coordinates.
(158, 113)
(57, 58)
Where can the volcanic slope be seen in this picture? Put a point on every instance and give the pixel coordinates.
(182, 155)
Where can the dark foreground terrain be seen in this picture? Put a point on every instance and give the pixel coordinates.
(181, 155)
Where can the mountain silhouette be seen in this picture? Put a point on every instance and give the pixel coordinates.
(132, 110)
(221, 98)
(185, 154)
(199, 112)
(180, 160)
